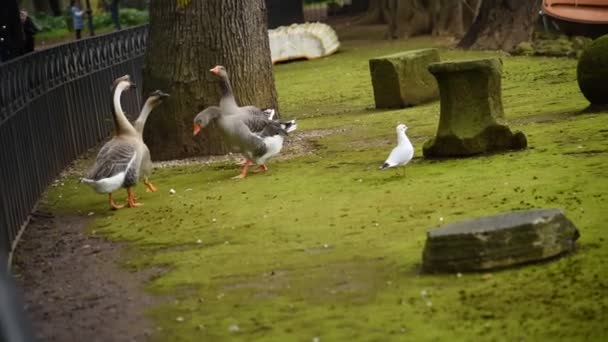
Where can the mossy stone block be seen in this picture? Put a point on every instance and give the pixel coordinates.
(471, 110)
(592, 71)
(499, 241)
(402, 80)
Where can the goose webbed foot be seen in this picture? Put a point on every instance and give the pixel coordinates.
(114, 205)
(244, 170)
(262, 168)
(149, 186)
(131, 201)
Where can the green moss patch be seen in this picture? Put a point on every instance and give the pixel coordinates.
(325, 245)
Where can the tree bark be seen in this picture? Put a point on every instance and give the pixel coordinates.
(358, 6)
(502, 24)
(409, 18)
(55, 6)
(415, 17)
(284, 12)
(470, 9)
(377, 13)
(447, 17)
(42, 6)
(186, 39)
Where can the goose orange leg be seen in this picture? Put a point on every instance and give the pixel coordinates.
(262, 168)
(243, 173)
(150, 186)
(113, 204)
(131, 199)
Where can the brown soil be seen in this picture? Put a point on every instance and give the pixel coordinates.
(73, 287)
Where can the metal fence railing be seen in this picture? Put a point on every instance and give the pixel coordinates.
(54, 105)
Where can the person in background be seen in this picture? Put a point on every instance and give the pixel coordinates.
(114, 10)
(11, 35)
(29, 30)
(77, 17)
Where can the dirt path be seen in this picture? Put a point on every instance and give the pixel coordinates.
(73, 287)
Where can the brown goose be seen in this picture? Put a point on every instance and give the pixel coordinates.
(119, 160)
(250, 131)
(153, 100)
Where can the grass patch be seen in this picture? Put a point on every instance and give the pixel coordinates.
(325, 245)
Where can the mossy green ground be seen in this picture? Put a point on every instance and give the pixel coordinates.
(326, 245)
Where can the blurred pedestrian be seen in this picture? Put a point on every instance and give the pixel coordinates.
(77, 17)
(114, 10)
(29, 31)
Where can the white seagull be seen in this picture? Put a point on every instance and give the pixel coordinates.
(403, 152)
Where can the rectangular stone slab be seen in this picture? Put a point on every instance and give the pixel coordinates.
(499, 241)
(402, 79)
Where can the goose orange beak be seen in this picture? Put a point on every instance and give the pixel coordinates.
(197, 129)
(215, 70)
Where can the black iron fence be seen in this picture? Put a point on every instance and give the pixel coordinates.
(54, 105)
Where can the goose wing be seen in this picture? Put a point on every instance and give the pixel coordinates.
(115, 156)
(260, 124)
(255, 119)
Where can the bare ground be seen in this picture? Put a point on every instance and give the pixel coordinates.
(72, 285)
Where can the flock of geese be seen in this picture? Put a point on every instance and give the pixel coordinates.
(248, 130)
(125, 158)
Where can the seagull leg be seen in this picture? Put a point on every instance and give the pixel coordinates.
(150, 186)
(113, 204)
(131, 199)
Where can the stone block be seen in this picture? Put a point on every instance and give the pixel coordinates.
(471, 110)
(402, 80)
(499, 241)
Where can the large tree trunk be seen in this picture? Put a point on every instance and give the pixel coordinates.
(42, 6)
(377, 13)
(55, 7)
(447, 17)
(415, 17)
(284, 12)
(358, 6)
(470, 9)
(409, 18)
(186, 39)
(502, 24)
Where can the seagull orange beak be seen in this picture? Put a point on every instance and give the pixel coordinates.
(215, 70)
(197, 128)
